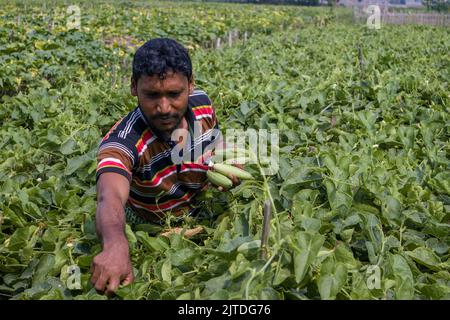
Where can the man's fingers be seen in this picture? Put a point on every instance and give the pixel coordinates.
(207, 155)
(109, 284)
(101, 282)
(128, 279)
(204, 158)
(234, 179)
(112, 285)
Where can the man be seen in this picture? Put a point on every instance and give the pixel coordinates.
(137, 176)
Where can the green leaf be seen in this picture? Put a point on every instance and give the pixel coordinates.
(281, 275)
(296, 176)
(360, 291)
(333, 276)
(37, 291)
(217, 283)
(133, 291)
(166, 271)
(435, 291)
(220, 295)
(311, 224)
(404, 288)
(183, 257)
(407, 136)
(441, 182)
(152, 243)
(68, 147)
(244, 108)
(374, 229)
(345, 256)
(74, 164)
(392, 209)
(440, 247)
(230, 246)
(425, 257)
(249, 246)
(46, 263)
(130, 235)
(339, 195)
(50, 238)
(308, 248)
(20, 237)
(304, 102)
(184, 296)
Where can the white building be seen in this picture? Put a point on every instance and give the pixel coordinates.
(406, 3)
(388, 3)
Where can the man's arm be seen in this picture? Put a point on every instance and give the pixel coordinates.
(112, 266)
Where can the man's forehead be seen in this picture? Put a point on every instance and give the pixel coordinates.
(170, 81)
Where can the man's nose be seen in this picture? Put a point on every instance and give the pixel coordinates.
(164, 105)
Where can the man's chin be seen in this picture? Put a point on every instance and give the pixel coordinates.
(167, 129)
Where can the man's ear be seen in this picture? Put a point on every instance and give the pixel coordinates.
(191, 85)
(133, 88)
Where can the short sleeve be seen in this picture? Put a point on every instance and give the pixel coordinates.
(117, 155)
(204, 112)
(203, 109)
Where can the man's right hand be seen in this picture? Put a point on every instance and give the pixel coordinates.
(112, 267)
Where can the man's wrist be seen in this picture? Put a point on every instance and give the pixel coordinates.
(116, 240)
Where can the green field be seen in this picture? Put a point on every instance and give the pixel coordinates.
(362, 196)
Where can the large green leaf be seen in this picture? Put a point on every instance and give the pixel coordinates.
(333, 276)
(404, 288)
(308, 247)
(425, 257)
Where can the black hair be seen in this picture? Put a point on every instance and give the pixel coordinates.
(159, 56)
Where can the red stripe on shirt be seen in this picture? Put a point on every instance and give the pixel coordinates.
(208, 110)
(157, 177)
(168, 170)
(146, 136)
(111, 164)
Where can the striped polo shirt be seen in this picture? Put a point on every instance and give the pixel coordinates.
(160, 182)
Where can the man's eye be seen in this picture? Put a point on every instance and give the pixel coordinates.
(152, 95)
(174, 94)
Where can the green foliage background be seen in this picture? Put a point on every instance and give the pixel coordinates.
(364, 174)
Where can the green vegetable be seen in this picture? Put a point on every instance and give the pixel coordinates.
(219, 179)
(227, 169)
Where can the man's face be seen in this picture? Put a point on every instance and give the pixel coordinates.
(163, 101)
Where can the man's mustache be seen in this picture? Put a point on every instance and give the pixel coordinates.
(166, 116)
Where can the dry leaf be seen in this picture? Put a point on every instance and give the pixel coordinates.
(189, 232)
